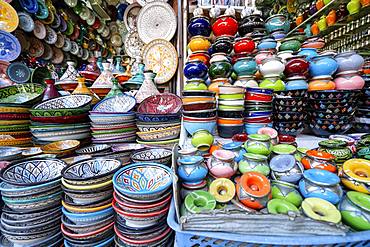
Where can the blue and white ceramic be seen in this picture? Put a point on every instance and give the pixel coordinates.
(65, 102)
(267, 43)
(10, 48)
(321, 184)
(296, 83)
(18, 72)
(191, 170)
(284, 167)
(308, 53)
(277, 22)
(10, 153)
(31, 6)
(192, 126)
(117, 104)
(11, 190)
(84, 218)
(195, 69)
(260, 90)
(26, 22)
(199, 25)
(236, 148)
(245, 66)
(322, 65)
(107, 242)
(252, 114)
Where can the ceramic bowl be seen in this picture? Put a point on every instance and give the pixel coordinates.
(117, 104)
(94, 149)
(231, 90)
(143, 127)
(158, 179)
(355, 210)
(21, 94)
(194, 99)
(87, 227)
(63, 119)
(160, 135)
(86, 235)
(290, 102)
(291, 93)
(289, 128)
(333, 94)
(65, 102)
(201, 113)
(200, 105)
(112, 119)
(61, 147)
(193, 124)
(33, 239)
(326, 129)
(27, 173)
(85, 218)
(198, 93)
(162, 144)
(35, 204)
(283, 108)
(58, 112)
(229, 130)
(230, 114)
(9, 153)
(158, 118)
(325, 115)
(289, 116)
(164, 103)
(156, 155)
(329, 105)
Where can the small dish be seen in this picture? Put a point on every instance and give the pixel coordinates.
(26, 22)
(39, 31)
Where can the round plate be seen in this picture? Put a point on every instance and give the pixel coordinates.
(58, 56)
(130, 16)
(36, 48)
(18, 72)
(26, 22)
(23, 40)
(160, 56)
(30, 6)
(165, 103)
(48, 52)
(9, 17)
(157, 20)
(42, 12)
(133, 44)
(60, 41)
(10, 48)
(39, 31)
(51, 36)
(145, 2)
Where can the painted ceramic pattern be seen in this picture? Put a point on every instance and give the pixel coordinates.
(10, 48)
(91, 168)
(122, 103)
(160, 104)
(71, 101)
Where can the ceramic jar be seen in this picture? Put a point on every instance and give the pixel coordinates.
(223, 44)
(319, 160)
(349, 80)
(284, 167)
(225, 25)
(253, 190)
(254, 162)
(286, 191)
(267, 43)
(308, 53)
(199, 43)
(236, 148)
(321, 23)
(202, 140)
(191, 170)
(296, 66)
(296, 83)
(244, 44)
(321, 184)
(258, 144)
(220, 67)
(284, 55)
(321, 83)
(290, 44)
(354, 7)
(277, 23)
(195, 69)
(245, 66)
(261, 55)
(195, 84)
(50, 91)
(355, 210)
(323, 65)
(199, 26)
(272, 66)
(222, 164)
(337, 148)
(246, 81)
(249, 23)
(272, 82)
(349, 61)
(355, 175)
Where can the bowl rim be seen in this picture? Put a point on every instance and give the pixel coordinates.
(67, 96)
(149, 149)
(160, 130)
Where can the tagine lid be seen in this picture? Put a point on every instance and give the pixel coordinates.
(70, 75)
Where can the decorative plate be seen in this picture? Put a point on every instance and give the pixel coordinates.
(23, 40)
(133, 44)
(156, 20)
(48, 52)
(26, 22)
(130, 16)
(165, 103)
(10, 48)
(74, 48)
(42, 12)
(160, 56)
(30, 6)
(18, 72)
(65, 102)
(145, 2)
(58, 56)
(9, 18)
(36, 48)
(39, 31)
(67, 44)
(120, 104)
(33, 172)
(51, 36)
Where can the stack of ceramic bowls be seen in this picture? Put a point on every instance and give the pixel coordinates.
(362, 118)
(61, 118)
(157, 155)
(159, 119)
(230, 108)
(112, 120)
(258, 109)
(142, 195)
(15, 102)
(331, 111)
(88, 216)
(31, 193)
(290, 112)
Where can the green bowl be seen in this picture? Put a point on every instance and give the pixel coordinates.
(59, 112)
(21, 94)
(17, 127)
(230, 107)
(280, 206)
(232, 96)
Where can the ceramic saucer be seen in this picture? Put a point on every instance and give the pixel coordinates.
(48, 52)
(21, 36)
(18, 72)
(60, 41)
(9, 19)
(36, 48)
(26, 22)
(39, 31)
(67, 45)
(10, 48)
(42, 12)
(30, 6)
(58, 56)
(51, 36)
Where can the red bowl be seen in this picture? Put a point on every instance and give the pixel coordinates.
(258, 97)
(286, 139)
(63, 119)
(202, 105)
(14, 116)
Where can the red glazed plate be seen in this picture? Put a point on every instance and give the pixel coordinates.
(165, 103)
(63, 119)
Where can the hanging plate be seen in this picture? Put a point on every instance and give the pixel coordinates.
(42, 12)
(10, 48)
(51, 36)
(133, 44)
(8, 17)
(157, 20)
(58, 56)
(23, 40)
(36, 48)
(130, 16)
(145, 2)
(30, 6)
(160, 56)
(18, 72)
(26, 22)
(39, 31)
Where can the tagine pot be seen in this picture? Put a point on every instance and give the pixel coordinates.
(296, 83)
(195, 69)
(202, 140)
(286, 191)
(191, 170)
(254, 163)
(271, 66)
(337, 148)
(349, 61)
(321, 83)
(225, 25)
(319, 160)
(296, 66)
(222, 164)
(290, 44)
(258, 144)
(272, 82)
(223, 44)
(277, 22)
(199, 43)
(323, 65)
(244, 44)
(349, 80)
(308, 53)
(50, 91)
(355, 210)
(199, 26)
(245, 66)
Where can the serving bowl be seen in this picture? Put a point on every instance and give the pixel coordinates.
(199, 105)
(59, 112)
(291, 93)
(327, 129)
(21, 94)
(117, 104)
(94, 149)
(290, 101)
(230, 114)
(289, 116)
(163, 144)
(9, 153)
(164, 103)
(198, 93)
(160, 135)
(201, 113)
(229, 130)
(333, 94)
(61, 147)
(193, 124)
(65, 102)
(142, 126)
(158, 117)
(194, 99)
(156, 155)
(85, 218)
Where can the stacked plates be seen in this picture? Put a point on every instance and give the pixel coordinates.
(88, 217)
(62, 118)
(159, 120)
(112, 121)
(362, 118)
(290, 111)
(157, 155)
(31, 193)
(15, 102)
(142, 195)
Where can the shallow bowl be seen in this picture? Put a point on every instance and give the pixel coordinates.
(21, 94)
(198, 93)
(159, 118)
(160, 135)
(200, 105)
(201, 113)
(65, 102)
(156, 155)
(143, 127)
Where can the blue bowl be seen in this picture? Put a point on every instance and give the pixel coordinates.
(253, 128)
(193, 126)
(260, 90)
(83, 218)
(252, 114)
(158, 117)
(106, 242)
(228, 131)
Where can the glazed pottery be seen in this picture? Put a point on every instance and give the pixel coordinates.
(280, 206)
(296, 83)
(321, 23)
(246, 81)
(202, 139)
(223, 44)
(355, 175)
(222, 164)
(195, 84)
(349, 80)
(277, 23)
(331, 18)
(50, 91)
(321, 184)
(195, 69)
(354, 7)
(199, 25)
(349, 61)
(222, 189)
(220, 68)
(319, 209)
(286, 191)
(253, 190)
(285, 168)
(321, 83)
(337, 148)
(236, 148)
(272, 82)
(267, 44)
(284, 55)
(296, 66)
(308, 53)
(199, 201)
(261, 55)
(258, 144)
(191, 170)
(244, 44)
(164, 103)
(272, 67)
(355, 210)
(156, 155)
(199, 43)
(255, 163)
(319, 160)
(290, 44)
(225, 25)
(250, 23)
(200, 55)
(322, 65)
(245, 66)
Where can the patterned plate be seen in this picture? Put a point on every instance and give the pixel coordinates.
(160, 56)
(157, 20)
(10, 48)
(18, 72)
(40, 30)
(9, 18)
(51, 36)
(42, 12)
(165, 103)
(133, 44)
(30, 6)
(58, 56)
(130, 16)
(145, 2)
(65, 102)
(120, 104)
(26, 22)
(36, 48)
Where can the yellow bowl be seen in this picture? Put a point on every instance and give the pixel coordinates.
(193, 99)
(15, 142)
(61, 147)
(358, 169)
(85, 187)
(9, 109)
(14, 122)
(84, 210)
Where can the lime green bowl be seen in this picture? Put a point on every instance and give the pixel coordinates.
(232, 96)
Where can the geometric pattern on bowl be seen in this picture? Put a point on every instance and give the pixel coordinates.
(290, 101)
(164, 103)
(333, 94)
(117, 104)
(59, 112)
(289, 131)
(25, 93)
(329, 129)
(90, 169)
(340, 110)
(323, 106)
(291, 93)
(160, 135)
(158, 155)
(33, 172)
(65, 102)
(94, 149)
(283, 108)
(145, 127)
(289, 116)
(324, 115)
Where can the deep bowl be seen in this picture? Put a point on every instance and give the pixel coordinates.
(329, 105)
(289, 128)
(65, 102)
(289, 116)
(326, 129)
(142, 126)
(94, 149)
(201, 113)
(291, 93)
(325, 115)
(160, 135)
(282, 108)
(97, 216)
(198, 93)
(201, 105)
(192, 126)
(158, 117)
(333, 94)
(290, 101)
(230, 114)
(156, 155)
(229, 130)
(21, 94)
(118, 104)
(337, 110)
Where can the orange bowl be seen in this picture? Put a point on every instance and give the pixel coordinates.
(230, 121)
(193, 99)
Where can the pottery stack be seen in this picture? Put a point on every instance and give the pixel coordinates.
(31, 215)
(15, 103)
(62, 118)
(113, 121)
(158, 120)
(362, 117)
(88, 216)
(142, 196)
(156, 155)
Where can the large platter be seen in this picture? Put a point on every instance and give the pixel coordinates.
(65, 102)
(161, 57)
(156, 20)
(9, 17)
(133, 44)
(10, 48)
(130, 16)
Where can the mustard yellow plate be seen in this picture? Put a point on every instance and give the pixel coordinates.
(358, 169)
(8, 17)
(14, 122)
(8, 109)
